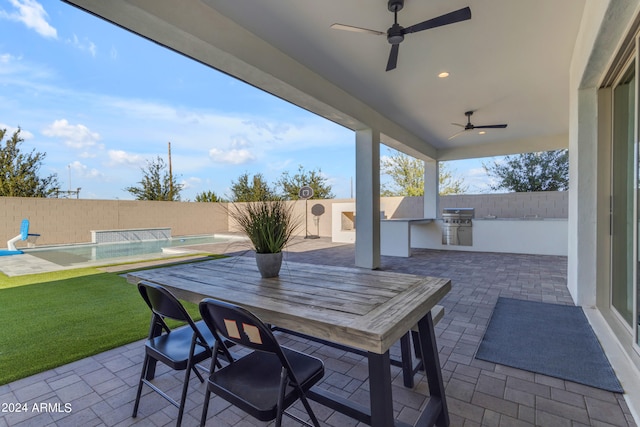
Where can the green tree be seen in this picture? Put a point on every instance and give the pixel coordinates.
(253, 189)
(407, 177)
(539, 171)
(450, 184)
(157, 183)
(290, 185)
(208, 196)
(19, 172)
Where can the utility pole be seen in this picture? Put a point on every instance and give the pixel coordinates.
(170, 175)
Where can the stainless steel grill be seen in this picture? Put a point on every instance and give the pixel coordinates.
(457, 226)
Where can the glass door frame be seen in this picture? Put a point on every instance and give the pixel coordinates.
(635, 185)
(636, 213)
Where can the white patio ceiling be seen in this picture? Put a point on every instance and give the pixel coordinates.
(509, 64)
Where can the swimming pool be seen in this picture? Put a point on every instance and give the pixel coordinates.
(70, 255)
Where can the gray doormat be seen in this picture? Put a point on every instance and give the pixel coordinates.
(550, 339)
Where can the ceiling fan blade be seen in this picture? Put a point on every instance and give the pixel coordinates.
(490, 127)
(458, 124)
(393, 57)
(456, 134)
(446, 19)
(356, 29)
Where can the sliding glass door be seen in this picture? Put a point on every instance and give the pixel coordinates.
(623, 198)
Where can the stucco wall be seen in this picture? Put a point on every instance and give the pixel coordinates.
(61, 221)
(316, 224)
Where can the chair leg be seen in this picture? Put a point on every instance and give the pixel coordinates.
(312, 415)
(283, 385)
(198, 374)
(140, 383)
(205, 407)
(185, 388)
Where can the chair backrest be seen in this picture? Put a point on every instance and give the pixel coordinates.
(239, 326)
(164, 304)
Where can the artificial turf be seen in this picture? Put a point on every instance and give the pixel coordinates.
(52, 319)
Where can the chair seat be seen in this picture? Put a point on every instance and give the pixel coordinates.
(173, 348)
(252, 382)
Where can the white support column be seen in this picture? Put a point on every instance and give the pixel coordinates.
(368, 198)
(582, 260)
(431, 188)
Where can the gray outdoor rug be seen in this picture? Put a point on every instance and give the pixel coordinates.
(550, 339)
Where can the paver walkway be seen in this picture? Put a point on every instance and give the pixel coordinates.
(100, 389)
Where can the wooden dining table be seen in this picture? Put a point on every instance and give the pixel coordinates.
(368, 310)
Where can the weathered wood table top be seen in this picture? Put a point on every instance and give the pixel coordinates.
(361, 308)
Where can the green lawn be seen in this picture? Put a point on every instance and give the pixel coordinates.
(52, 319)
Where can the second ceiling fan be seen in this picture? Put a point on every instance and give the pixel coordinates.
(395, 34)
(469, 126)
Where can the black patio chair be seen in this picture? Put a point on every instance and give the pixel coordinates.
(179, 348)
(265, 382)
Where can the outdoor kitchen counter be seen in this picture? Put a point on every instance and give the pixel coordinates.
(541, 236)
(395, 235)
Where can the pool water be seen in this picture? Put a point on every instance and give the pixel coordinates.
(74, 254)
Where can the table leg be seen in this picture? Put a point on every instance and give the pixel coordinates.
(380, 390)
(407, 360)
(431, 364)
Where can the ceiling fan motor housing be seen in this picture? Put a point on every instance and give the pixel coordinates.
(394, 34)
(395, 5)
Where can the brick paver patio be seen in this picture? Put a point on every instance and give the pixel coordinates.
(100, 390)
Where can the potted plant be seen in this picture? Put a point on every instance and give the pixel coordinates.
(269, 225)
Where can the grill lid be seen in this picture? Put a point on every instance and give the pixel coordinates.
(462, 213)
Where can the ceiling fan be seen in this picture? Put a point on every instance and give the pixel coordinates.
(470, 126)
(395, 34)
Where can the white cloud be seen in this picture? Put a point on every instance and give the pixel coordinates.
(84, 171)
(477, 172)
(233, 156)
(32, 14)
(201, 126)
(192, 181)
(120, 157)
(15, 70)
(6, 58)
(239, 142)
(83, 45)
(24, 134)
(74, 136)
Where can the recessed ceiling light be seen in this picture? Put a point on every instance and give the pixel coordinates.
(443, 75)
(481, 132)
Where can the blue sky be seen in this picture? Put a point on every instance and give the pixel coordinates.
(101, 102)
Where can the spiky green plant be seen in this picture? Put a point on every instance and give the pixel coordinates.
(269, 225)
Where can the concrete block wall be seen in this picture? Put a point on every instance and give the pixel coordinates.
(545, 204)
